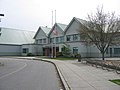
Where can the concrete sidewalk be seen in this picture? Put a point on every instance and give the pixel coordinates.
(78, 76)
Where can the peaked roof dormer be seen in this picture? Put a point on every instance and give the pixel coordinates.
(46, 31)
(80, 21)
(61, 27)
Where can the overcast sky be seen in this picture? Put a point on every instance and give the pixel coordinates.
(30, 14)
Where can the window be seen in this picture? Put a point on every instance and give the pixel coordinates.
(107, 51)
(75, 50)
(44, 40)
(75, 37)
(57, 39)
(0, 31)
(36, 41)
(40, 40)
(25, 50)
(61, 39)
(116, 50)
(68, 37)
(51, 40)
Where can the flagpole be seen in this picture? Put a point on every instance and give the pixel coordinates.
(55, 36)
(51, 38)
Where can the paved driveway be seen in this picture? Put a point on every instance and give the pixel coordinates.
(27, 75)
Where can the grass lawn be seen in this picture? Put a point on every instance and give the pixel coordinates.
(62, 58)
(59, 58)
(116, 81)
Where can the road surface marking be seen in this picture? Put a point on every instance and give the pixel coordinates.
(14, 71)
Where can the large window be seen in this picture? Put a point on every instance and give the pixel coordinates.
(73, 37)
(25, 50)
(117, 51)
(59, 39)
(75, 50)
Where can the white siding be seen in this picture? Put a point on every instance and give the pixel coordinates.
(7, 49)
(73, 28)
(59, 31)
(85, 51)
(41, 35)
(33, 48)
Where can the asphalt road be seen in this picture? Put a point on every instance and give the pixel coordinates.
(28, 75)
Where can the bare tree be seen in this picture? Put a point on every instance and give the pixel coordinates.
(101, 29)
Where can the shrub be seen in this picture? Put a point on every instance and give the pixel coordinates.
(66, 51)
(30, 54)
(59, 54)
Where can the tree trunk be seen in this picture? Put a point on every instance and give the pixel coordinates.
(103, 58)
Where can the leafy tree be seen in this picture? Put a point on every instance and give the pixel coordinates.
(101, 29)
(66, 52)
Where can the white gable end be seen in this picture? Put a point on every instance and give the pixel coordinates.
(41, 35)
(73, 28)
(59, 32)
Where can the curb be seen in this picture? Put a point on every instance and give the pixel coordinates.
(62, 79)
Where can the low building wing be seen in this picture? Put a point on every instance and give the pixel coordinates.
(13, 36)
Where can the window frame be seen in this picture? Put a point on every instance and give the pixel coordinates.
(75, 50)
(25, 50)
(68, 38)
(75, 37)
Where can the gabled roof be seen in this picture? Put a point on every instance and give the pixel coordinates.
(62, 26)
(15, 36)
(46, 30)
(81, 21)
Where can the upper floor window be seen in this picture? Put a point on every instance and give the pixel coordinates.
(36, 42)
(68, 38)
(57, 39)
(44, 40)
(61, 39)
(75, 37)
(51, 40)
(40, 40)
